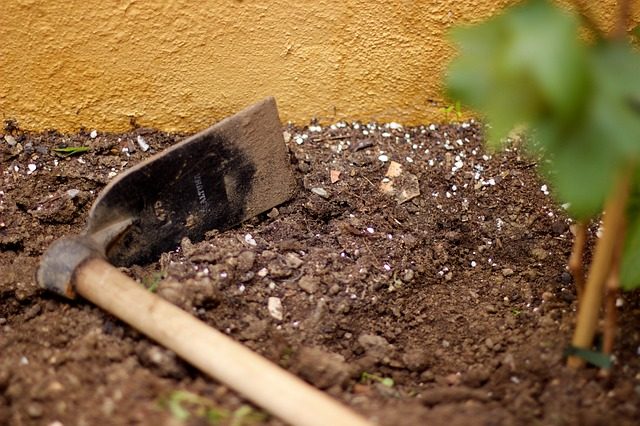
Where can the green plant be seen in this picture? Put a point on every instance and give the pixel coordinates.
(579, 98)
(368, 377)
(152, 280)
(454, 108)
(183, 405)
(71, 150)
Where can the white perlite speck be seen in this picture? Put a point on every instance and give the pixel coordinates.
(142, 143)
(93, 134)
(32, 168)
(544, 189)
(274, 305)
(384, 158)
(249, 239)
(457, 166)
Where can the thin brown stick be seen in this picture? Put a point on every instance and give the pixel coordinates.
(611, 296)
(589, 308)
(575, 260)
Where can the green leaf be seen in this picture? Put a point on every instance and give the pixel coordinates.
(583, 169)
(245, 415)
(546, 49)
(615, 68)
(174, 404)
(520, 67)
(630, 263)
(388, 382)
(71, 150)
(597, 359)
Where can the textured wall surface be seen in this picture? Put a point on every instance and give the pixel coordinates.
(181, 65)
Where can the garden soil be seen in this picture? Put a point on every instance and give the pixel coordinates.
(415, 277)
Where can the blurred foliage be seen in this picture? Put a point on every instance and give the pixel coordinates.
(579, 100)
(183, 405)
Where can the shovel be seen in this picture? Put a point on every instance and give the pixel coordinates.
(215, 179)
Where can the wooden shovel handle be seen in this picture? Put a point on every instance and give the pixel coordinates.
(269, 386)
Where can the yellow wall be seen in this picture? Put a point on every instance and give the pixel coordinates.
(181, 65)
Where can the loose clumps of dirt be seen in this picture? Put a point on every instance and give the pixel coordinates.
(415, 277)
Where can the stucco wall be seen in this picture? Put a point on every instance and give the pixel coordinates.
(181, 65)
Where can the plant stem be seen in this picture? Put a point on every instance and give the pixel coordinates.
(591, 302)
(612, 290)
(575, 260)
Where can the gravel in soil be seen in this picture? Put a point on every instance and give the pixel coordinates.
(414, 276)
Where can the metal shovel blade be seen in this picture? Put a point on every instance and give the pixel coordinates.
(215, 179)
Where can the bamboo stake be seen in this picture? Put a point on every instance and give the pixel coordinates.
(589, 307)
(575, 260)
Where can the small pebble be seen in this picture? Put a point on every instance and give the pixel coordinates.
(453, 379)
(539, 254)
(246, 260)
(559, 227)
(506, 272)
(308, 284)
(320, 192)
(491, 309)
(10, 140)
(292, 260)
(566, 277)
(408, 275)
(35, 410)
(274, 305)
